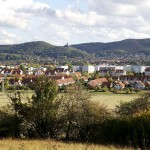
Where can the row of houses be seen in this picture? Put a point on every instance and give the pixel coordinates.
(56, 71)
(104, 82)
(27, 80)
(113, 70)
(102, 69)
(138, 82)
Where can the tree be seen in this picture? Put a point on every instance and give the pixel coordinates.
(36, 115)
(77, 114)
(134, 107)
(22, 67)
(6, 83)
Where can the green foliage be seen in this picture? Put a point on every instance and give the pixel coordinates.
(45, 90)
(133, 131)
(77, 113)
(131, 108)
(115, 91)
(6, 83)
(18, 87)
(118, 48)
(73, 116)
(127, 90)
(7, 123)
(22, 67)
(35, 114)
(104, 89)
(36, 50)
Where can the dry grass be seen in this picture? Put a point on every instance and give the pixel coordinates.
(3, 99)
(9, 144)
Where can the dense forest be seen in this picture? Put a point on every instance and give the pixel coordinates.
(130, 46)
(38, 50)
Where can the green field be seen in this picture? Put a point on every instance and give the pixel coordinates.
(4, 99)
(111, 99)
(108, 99)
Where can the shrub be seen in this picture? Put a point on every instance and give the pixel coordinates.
(115, 91)
(137, 90)
(135, 106)
(127, 90)
(104, 89)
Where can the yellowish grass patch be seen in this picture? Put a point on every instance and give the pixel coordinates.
(9, 144)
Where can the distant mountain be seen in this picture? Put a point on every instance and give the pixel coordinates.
(124, 46)
(40, 50)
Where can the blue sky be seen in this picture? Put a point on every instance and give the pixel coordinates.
(73, 21)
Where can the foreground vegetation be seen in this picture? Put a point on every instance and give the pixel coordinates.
(9, 144)
(74, 117)
(108, 99)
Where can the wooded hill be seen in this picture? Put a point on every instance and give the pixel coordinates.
(42, 50)
(128, 46)
(27, 51)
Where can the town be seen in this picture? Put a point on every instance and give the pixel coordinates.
(99, 77)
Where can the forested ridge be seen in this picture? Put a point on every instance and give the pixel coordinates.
(38, 49)
(42, 50)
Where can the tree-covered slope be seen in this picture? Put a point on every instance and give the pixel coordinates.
(126, 46)
(38, 50)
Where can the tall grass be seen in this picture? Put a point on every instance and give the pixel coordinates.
(9, 144)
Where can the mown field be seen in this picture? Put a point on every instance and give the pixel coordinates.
(9, 144)
(108, 99)
(111, 99)
(4, 99)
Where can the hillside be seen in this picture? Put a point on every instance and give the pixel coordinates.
(44, 51)
(128, 46)
(40, 50)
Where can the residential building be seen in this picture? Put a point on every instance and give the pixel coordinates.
(147, 71)
(139, 85)
(88, 68)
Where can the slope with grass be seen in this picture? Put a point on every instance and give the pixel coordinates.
(51, 145)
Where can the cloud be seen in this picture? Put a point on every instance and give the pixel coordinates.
(80, 21)
(8, 38)
(17, 14)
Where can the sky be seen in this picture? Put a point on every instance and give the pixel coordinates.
(73, 21)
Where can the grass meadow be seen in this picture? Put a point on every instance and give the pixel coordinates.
(108, 99)
(111, 99)
(10, 144)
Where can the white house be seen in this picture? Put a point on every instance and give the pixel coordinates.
(135, 68)
(128, 68)
(139, 85)
(138, 69)
(119, 72)
(89, 69)
(119, 85)
(77, 68)
(39, 72)
(65, 67)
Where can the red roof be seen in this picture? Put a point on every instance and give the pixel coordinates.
(96, 82)
(147, 69)
(16, 71)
